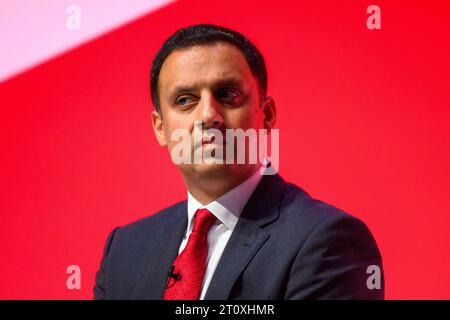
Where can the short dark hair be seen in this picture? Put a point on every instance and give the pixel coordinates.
(202, 34)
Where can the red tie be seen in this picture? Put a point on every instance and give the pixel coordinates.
(186, 278)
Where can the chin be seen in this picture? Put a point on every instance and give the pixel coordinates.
(213, 170)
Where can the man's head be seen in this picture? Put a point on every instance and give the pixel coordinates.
(205, 34)
(214, 75)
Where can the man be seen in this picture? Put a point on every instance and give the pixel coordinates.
(241, 234)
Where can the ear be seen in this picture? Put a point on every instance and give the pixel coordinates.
(270, 113)
(158, 128)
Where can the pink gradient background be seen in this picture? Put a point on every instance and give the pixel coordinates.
(34, 31)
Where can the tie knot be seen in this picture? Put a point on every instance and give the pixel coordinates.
(203, 220)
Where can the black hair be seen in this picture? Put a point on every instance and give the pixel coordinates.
(202, 34)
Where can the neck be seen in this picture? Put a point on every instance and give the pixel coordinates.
(206, 189)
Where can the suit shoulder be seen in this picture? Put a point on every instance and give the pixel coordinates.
(154, 221)
(321, 220)
(298, 205)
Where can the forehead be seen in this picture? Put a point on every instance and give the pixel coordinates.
(204, 65)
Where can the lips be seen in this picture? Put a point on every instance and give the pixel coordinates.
(211, 140)
(212, 144)
(208, 142)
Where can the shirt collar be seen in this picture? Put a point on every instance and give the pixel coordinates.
(228, 207)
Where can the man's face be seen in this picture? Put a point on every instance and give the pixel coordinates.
(212, 84)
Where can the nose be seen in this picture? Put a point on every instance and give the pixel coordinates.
(210, 111)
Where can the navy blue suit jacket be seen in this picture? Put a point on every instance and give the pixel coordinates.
(286, 245)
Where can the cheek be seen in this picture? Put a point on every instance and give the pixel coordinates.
(174, 124)
(174, 121)
(245, 118)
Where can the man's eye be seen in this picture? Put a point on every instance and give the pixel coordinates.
(184, 100)
(228, 95)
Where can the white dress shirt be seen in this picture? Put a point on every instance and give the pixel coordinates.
(227, 208)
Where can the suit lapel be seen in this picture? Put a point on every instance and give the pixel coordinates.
(247, 237)
(160, 255)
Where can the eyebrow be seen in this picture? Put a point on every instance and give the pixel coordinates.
(226, 82)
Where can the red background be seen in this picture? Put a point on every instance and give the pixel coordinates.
(363, 118)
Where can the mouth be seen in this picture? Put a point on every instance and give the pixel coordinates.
(213, 143)
(211, 140)
(209, 143)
